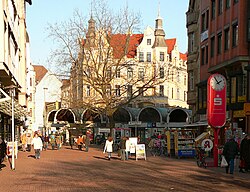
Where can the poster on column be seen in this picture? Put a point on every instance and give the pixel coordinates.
(9, 149)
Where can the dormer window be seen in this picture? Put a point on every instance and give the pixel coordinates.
(161, 56)
(141, 57)
(148, 41)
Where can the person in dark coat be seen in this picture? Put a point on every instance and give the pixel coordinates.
(247, 154)
(123, 148)
(243, 154)
(2, 151)
(230, 151)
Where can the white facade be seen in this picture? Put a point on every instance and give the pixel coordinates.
(48, 90)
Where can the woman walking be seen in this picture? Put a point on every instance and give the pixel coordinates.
(108, 147)
(38, 145)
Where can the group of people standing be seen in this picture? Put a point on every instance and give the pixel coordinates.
(124, 147)
(231, 150)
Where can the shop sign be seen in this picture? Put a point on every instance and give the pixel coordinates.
(140, 151)
(207, 144)
(216, 100)
(247, 108)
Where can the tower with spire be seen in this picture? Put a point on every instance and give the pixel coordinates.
(159, 32)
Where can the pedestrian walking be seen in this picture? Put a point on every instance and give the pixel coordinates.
(243, 154)
(53, 141)
(2, 152)
(230, 151)
(38, 145)
(24, 142)
(46, 142)
(29, 140)
(122, 146)
(71, 141)
(108, 147)
(58, 141)
(79, 142)
(127, 150)
(247, 153)
(87, 143)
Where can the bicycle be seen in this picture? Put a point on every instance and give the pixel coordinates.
(201, 158)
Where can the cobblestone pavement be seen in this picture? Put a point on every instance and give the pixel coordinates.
(68, 170)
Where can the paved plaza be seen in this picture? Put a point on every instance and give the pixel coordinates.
(68, 170)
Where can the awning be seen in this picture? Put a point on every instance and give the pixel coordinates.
(6, 108)
(197, 124)
(201, 136)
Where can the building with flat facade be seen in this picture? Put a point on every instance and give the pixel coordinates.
(14, 46)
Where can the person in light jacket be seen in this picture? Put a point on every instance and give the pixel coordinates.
(127, 151)
(108, 147)
(38, 145)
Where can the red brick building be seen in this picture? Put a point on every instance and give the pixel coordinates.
(223, 48)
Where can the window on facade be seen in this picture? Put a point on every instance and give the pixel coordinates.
(219, 43)
(206, 56)
(241, 85)
(185, 80)
(161, 56)
(130, 73)
(191, 80)
(141, 57)
(203, 22)
(30, 96)
(161, 90)
(108, 90)
(235, 35)
(178, 77)
(202, 97)
(178, 93)
(191, 42)
(228, 4)
(212, 47)
(118, 73)
(227, 39)
(233, 89)
(220, 7)
(172, 93)
(129, 90)
(207, 19)
(202, 55)
(88, 91)
(148, 56)
(185, 96)
(213, 9)
(108, 73)
(161, 72)
(148, 41)
(141, 74)
(117, 90)
(30, 81)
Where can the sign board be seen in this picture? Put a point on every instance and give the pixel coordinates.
(207, 144)
(216, 100)
(133, 143)
(247, 108)
(10, 147)
(140, 152)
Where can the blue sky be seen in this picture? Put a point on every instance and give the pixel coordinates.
(42, 12)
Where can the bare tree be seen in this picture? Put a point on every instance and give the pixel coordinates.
(101, 61)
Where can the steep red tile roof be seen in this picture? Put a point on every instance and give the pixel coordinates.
(170, 43)
(119, 41)
(183, 56)
(40, 72)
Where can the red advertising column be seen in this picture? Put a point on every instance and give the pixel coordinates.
(216, 107)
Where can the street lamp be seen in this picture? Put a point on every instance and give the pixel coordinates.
(45, 111)
(12, 93)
